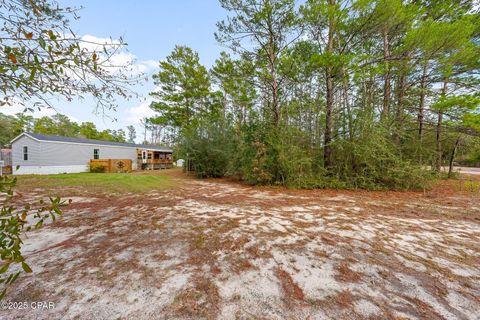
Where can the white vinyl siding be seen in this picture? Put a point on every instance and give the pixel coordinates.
(33, 148)
(59, 154)
(48, 153)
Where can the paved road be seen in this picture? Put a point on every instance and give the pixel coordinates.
(465, 170)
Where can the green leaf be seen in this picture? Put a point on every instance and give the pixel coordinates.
(4, 268)
(32, 73)
(51, 35)
(39, 224)
(42, 43)
(26, 267)
(15, 277)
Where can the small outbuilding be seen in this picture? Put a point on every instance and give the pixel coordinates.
(45, 154)
(180, 163)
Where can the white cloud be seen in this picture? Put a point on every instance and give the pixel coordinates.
(120, 60)
(137, 113)
(93, 43)
(151, 63)
(14, 106)
(134, 67)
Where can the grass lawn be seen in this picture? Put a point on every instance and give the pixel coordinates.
(97, 182)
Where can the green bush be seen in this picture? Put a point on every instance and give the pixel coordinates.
(207, 146)
(284, 156)
(98, 168)
(373, 162)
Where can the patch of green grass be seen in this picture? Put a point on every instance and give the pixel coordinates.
(97, 182)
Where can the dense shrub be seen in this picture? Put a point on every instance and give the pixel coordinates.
(373, 162)
(208, 147)
(282, 156)
(97, 168)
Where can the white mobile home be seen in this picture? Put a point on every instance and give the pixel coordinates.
(44, 154)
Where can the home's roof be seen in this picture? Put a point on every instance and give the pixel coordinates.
(45, 137)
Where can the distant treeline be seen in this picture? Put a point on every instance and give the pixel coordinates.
(60, 125)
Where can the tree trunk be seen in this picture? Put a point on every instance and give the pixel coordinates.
(387, 85)
(187, 111)
(347, 106)
(421, 107)
(452, 157)
(370, 92)
(327, 153)
(275, 105)
(438, 162)
(400, 105)
(273, 74)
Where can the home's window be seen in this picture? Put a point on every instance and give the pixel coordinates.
(162, 155)
(25, 153)
(169, 156)
(156, 156)
(139, 156)
(149, 156)
(96, 154)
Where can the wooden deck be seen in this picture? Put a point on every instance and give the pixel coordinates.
(155, 165)
(154, 160)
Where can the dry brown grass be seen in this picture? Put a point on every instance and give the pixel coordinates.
(321, 253)
(385, 274)
(440, 288)
(201, 300)
(164, 241)
(345, 274)
(328, 239)
(423, 310)
(430, 264)
(344, 299)
(239, 265)
(292, 293)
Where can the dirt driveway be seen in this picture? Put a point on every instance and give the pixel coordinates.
(220, 250)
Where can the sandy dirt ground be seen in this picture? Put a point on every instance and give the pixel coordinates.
(214, 249)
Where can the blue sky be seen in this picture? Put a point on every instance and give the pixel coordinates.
(151, 29)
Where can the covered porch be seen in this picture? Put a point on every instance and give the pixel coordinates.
(150, 159)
